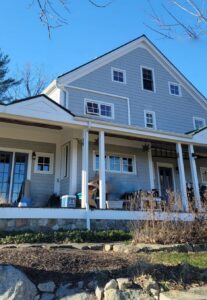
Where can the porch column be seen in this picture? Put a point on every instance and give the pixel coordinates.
(73, 166)
(151, 170)
(84, 203)
(194, 177)
(102, 171)
(181, 169)
(57, 169)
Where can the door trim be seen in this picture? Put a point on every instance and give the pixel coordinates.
(165, 165)
(29, 164)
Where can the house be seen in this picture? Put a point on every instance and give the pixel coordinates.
(129, 116)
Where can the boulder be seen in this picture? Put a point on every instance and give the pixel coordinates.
(112, 284)
(65, 290)
(47, 287)
(113, 295)
(47, 296)
(124, 283)
(99, 293)
(79, 296)
(14, 284)
(108, 247)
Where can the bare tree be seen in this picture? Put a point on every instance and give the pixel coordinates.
(33, 82)
(54, 13)
(180, 18)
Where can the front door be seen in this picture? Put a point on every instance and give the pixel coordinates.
(13, 172)
(166, 180)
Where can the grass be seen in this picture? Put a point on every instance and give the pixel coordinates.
(197, 259)
(64, 236)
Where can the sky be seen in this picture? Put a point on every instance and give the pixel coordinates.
(91, 32)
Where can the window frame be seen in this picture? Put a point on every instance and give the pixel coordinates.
(154, 119)
(153, 79)
(118, 70)
(201, 172)
(175, 84)
(99, 103)
(198, 118)
(65, 160)
(51, 164)
(121, 156)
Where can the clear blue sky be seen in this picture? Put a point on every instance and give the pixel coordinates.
(90, 32)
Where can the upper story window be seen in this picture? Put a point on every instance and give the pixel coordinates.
(44, 163)
(174, 89)
(148, 79)
(118, 75)
(117, 163)
(198, 122)
(101, 109)
(150, 119)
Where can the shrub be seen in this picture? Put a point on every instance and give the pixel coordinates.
(63, 236)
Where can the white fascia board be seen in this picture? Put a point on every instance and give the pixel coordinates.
(50, 87)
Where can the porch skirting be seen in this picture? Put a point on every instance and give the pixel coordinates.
(45, 219)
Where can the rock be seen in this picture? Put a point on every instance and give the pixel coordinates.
(108, 247)
(47, 296)
(79, 296)
(14, 284)
(65, 290)
(112, 284)
(92, 285)
(113, 295)
(198, 293)
(48, 287)
(118, 248)
(85, 248)
(99, 293)
(37, 297)
(123, 283)
(80, 284)
(96, 247)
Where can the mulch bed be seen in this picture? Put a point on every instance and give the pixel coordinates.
(65, 265)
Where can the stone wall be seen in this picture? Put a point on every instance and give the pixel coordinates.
(55, 224)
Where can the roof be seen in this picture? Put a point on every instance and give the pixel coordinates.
(37, 96)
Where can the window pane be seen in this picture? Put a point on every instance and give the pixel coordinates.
(174, 89)
(199, 123)
(149, 120)
(115, 163)
(118, 76)
(127, 164)
(106, 110)
(92, 108)
(204, 174)
(147, 79)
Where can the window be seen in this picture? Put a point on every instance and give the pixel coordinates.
(174, 89)
(198, 122)
(65, 160)
(150, 121)
(43, 163)
(118, 75)
(101, 109)
(203, 174)
(147, 79)
(117, 163)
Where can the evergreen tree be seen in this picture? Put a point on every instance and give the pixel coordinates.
(5, 82)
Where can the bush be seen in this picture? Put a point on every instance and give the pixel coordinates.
(170, 232)
(64, 236)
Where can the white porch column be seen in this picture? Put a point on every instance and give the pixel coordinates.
(84, 203)
(57, 169)
(151, 170)
(194, 177)
(73, 166)
(181, 169)
(102, 171)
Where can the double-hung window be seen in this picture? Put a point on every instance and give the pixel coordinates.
(148, 79)
(118, 75)
(203, 174)
(150, 120)
(174, 89)
(117, 163)
(97, 108)
(198, 122)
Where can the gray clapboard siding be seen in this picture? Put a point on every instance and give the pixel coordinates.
(173, 113)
